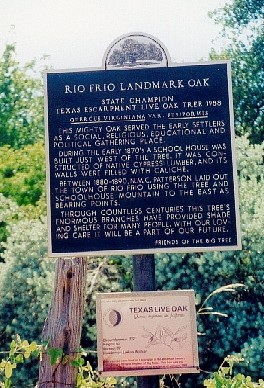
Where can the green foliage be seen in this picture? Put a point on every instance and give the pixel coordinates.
(19, 352)
(9, 212)
(240, 13)
(206, 272)
(22, 174)
(244, 18)
(22, 185)
(252, 354)
(21, 103)
(8, 209)
(224, 378)
(89, 378)
(26, 281)
(251, 184)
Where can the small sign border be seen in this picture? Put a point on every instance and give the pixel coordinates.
(146, 372)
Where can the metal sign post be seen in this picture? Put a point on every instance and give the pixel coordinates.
(143, 273)
(144, 280)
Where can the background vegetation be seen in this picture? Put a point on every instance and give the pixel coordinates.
(26, 274)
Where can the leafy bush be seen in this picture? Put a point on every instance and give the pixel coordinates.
(22, 175)
(20, 351)
(9, 211)
(21, 102)
(252, 354)
(26, 283)
(205, 272)
(242, 25)
(26, 280)
(225, 378)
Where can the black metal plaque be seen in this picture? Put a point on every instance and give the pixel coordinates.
(141, 161)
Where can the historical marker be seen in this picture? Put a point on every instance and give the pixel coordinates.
(147, 333)
(141, 160)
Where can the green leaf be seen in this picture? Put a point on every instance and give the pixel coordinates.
(25, 344)
(111, 381)
(55, 355)
(8, 370)
(7, 383)
(225, 370)
(19, 358)
(27, 354)
(78, 362)
(209, 383)
(2, 364)
(33, 346)
(219, 380)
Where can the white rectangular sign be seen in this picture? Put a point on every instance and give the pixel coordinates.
(147, 333)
